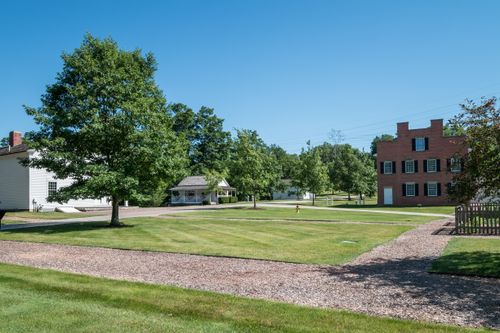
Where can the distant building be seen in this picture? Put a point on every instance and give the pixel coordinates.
(24, 188)
(194, 190)
(417, 167)
(291, 192)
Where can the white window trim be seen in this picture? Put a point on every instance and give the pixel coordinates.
(390, 163)
(453, 162)
(435, 165)
(416, 144)
(428, 192)
(412, 163)
(406, 189)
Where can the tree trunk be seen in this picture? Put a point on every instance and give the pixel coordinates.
(254, 201)
(349, 196)
(314, 197)
(115, 218)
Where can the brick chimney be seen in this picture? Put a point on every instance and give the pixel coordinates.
(437, 125)
(15, 138)
(402, 128)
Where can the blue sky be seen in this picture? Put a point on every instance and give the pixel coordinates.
(292, 70)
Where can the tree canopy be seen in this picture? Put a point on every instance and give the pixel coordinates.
(481, 174)
(104, 124)
(311, 173)
(377, 139)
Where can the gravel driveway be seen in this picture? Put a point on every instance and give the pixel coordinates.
(390, 280)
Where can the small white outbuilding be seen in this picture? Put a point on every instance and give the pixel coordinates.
(23, 188)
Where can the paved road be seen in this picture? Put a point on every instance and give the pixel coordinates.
(391, 280)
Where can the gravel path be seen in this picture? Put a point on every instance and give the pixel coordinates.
(390, 280)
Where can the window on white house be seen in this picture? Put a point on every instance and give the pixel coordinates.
(432, 190)
(409, 166)
(190, 195)
(431, 165)
(410, 189)
(419, 144)
(387, 167)
(52, 188)
(456, 165)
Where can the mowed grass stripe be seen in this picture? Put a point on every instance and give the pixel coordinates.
(36, 300)
(300, 242)
(308, 215)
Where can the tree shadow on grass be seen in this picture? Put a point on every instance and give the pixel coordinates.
(65, 228)
(477, 298)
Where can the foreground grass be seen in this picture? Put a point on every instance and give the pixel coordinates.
(470, 256)
(44, 215)
(304, 242)
(36, 300)
(309, 215)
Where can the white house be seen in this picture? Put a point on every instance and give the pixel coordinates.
(24, 188)
(291, 192)
(194, 190)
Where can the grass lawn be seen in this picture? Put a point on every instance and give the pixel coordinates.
(309, 214)
(372, 205)
(304, 242)
(45, 215)
(35, 300)
(470, 256)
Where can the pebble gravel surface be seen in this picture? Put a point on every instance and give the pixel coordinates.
(391, 280)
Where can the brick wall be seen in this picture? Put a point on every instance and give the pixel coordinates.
(402, 148)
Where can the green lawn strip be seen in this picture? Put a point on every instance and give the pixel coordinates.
(36, 300)
(44, 215)
(470, 256)
(371, 205)
(301, 242)
(309, 215)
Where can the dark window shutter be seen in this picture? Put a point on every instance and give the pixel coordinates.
(462, 164)
(381, 167)
(425, 165)
(404, 190)
(416, 190)
(448, 187)
(448, 164)
(415, 165)
(393, 166)
(426, 143)
(403, 167)
(413, 144)
(438, 165)
(425, 189)
(439, 189)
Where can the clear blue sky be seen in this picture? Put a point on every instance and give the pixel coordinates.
(293, 70)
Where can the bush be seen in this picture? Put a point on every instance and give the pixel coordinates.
(226, 200)
(205, 202)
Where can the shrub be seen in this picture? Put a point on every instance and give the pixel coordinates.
(226, 200)
(205, 202)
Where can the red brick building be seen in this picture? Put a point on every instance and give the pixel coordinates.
(418, 165)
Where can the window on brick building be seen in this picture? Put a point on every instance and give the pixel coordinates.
(456, 164)
(431, 165)
(410, 190)
(409, 166)
(388, 167)
(420, 144)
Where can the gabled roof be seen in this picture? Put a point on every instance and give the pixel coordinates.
(13, 150)
(198, 183)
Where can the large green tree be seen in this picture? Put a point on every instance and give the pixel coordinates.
(209, 143)
(377, 139)
(253, 168)
(481, 174)
(104, 124)
(312, 173)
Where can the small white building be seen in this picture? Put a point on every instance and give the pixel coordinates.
(194, 190)
(291, 192)
(24, 188)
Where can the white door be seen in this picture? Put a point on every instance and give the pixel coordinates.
(387, 195)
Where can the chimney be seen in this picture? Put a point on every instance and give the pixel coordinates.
(402, 128)
(437, 125)
(15, 138)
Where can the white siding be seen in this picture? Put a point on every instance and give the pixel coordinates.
(14, 183)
